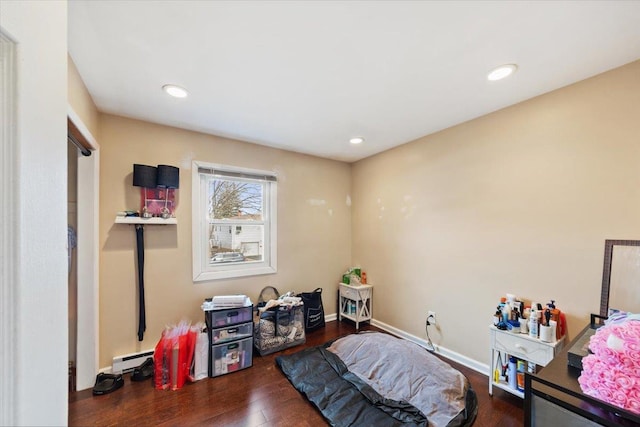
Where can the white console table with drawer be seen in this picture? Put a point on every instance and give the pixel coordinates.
(355, 303)
(520, 346)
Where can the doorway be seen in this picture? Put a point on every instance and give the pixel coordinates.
(83, 176)
(72, 239)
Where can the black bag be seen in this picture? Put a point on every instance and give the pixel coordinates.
(313, 310)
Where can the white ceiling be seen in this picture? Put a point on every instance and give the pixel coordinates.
(308, 75)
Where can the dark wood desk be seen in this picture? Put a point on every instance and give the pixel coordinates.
(553, 397)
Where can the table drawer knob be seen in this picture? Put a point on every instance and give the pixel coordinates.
(521, 347)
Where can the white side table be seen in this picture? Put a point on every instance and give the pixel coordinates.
(355, 303)
(521, 346)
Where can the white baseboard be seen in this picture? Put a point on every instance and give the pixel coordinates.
(128, 362)
(442, 351)
(107, 370)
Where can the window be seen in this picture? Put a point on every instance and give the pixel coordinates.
(234, 222)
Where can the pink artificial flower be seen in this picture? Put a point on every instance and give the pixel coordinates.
(624, 381)
(619, 398)
(608, 356)
(588, 362)
(633, 405)
(632, 346)
(604, 393)
(634, 393)
(631, 353)
(597, 341)
(627, 362)
(629, 330)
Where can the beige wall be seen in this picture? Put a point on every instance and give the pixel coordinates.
(518, 201)
(80, 99)
(314, 239)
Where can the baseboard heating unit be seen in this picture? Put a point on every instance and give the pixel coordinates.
(126, 363)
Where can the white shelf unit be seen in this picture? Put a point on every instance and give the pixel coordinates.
(140, 220)
(355, 303)
(520, 346)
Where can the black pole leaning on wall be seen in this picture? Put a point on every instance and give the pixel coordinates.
(142, 323)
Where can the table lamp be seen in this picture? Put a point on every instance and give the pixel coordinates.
(168, 178)
(146, 177)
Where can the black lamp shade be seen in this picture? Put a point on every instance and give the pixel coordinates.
(168, 176)
(145, 176)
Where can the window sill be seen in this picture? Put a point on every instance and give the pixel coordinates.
(227, 274)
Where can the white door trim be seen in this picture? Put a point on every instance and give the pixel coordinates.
(9, 246)
(88, 197)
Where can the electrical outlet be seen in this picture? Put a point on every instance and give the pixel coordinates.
(431, 316)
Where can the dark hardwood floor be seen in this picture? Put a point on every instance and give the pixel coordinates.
(257, 396)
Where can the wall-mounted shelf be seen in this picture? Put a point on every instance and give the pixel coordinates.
(150, 221)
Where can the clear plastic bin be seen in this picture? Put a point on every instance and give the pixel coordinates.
(229, 316)
(231, 333)
(231, 357)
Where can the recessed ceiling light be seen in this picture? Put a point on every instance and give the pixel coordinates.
(175, 91)
(356, 140)
(502, 71)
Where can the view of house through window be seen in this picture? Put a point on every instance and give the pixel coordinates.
(236, 225)
(234, 222)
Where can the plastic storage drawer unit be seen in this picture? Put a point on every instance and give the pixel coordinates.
(232, 356)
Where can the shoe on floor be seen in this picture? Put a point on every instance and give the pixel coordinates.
(144, 371)
(106, 383)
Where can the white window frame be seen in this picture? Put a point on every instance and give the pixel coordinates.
(202, 270)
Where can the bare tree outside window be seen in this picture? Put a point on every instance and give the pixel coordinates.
(232, 204)
(235, 200)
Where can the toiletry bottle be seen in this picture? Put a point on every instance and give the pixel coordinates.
(497, 316)
(524, 326)
(539, 311)
(555, 313)
(533, 324)
(506, 312)
(513, 379)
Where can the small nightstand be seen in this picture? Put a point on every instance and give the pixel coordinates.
(521, 346)
(355, 303)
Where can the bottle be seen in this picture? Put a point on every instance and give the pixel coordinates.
(506, 312)
(497, 316)
(524, 326)
(533, 324)
(513, 376)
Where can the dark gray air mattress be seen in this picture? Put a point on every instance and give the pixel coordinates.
(372, 378)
